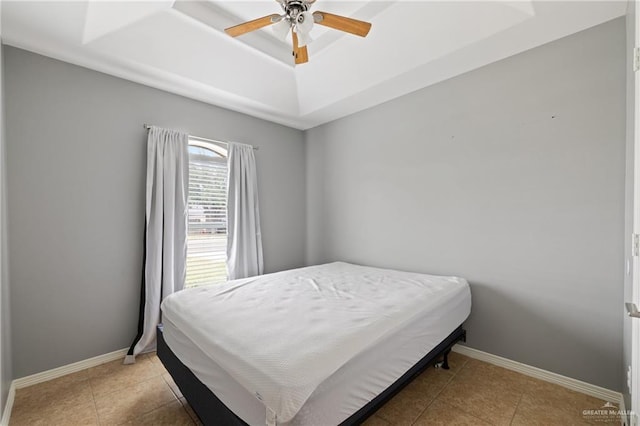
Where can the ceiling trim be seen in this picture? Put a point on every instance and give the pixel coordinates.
(344, 78)
(119, 15)
(216, 18)
(155, 78)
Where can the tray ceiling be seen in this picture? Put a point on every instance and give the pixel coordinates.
(180, 46)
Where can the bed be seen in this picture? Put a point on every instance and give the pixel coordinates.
(322, 345)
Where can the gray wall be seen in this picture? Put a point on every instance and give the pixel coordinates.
(76, 176)
(6, 373)
(628, 217)
(511, 176)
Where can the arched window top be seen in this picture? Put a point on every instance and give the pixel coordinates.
(209, 149)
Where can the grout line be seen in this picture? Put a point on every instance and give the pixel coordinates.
(480, 420)
(171, 387)
(93, 398)
(153, 409)
(194, 418)
(445, 386)
(464, 366)
(439, 392)
(516, 410)
(95, 409)
(120, 390)
(186, 412)
(466, 363)
(422, 412)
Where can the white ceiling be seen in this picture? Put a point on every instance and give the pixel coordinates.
(180, 46)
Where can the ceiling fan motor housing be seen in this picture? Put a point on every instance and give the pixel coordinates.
(294, 8)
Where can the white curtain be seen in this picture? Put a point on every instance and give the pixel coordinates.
(165, 232)
(244, 241)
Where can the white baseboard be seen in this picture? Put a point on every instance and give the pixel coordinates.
(54, 374)
(6, 413)
(538, 373)
(68, 369)
(623, 409)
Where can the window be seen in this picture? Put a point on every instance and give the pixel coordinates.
(207, 226)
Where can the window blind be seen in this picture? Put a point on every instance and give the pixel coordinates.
(207, 233)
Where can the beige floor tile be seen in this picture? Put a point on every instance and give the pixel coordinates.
(133, 401)
(190, 411)
(441, 414)
(430, 382)
(482, 372)
(469, 393)
(172, 414)
(174, 388)
(56, 415)
(153, 357)
(67, 391)
(405, 407)
(488, 400)
(557, 406)
(375, 421)
(530, 413)
(106, 368)
(414, 398)
(114, 376)
(456, 362)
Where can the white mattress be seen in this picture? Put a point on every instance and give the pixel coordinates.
(413, 313)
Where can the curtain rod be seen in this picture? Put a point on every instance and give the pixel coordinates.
(255, 148)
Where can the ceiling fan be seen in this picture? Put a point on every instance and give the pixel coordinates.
(299, 21)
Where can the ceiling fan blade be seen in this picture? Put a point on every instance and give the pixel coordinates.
(299, 53)
(249, 26)
(342, 23)
(303, 56)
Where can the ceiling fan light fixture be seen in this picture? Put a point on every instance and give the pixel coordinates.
(304, 38)
(281, 29)
(304, 22)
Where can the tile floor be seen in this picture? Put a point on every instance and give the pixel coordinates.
(470, 393)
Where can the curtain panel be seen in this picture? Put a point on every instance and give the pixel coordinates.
(164, 268)
(244, 240)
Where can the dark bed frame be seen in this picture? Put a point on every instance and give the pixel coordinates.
(212, 411)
